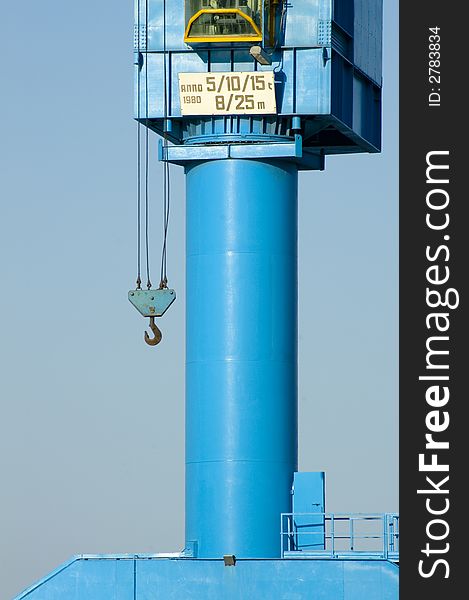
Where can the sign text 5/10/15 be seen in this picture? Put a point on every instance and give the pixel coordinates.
(227, 93)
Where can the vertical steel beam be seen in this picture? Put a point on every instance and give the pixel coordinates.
(241, 354)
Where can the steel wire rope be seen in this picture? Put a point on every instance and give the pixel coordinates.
(139, 160)
(147, 152)
(166, 167)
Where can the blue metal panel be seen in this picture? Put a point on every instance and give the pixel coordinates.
(174, 23)
(151, 87)
(342, 14)
(177, 62)
(183, 62)
(356, 585)
(368, 33)
(342, 89)
(241, 350)
(366, 109)
(303, 22)
(286, 99)
(220, 60)
(309, 497)
(313, 83)
(83, 579)
(242, 61)
(308, 492)
(149, 578)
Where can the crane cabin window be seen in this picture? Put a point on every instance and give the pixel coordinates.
(223, 21)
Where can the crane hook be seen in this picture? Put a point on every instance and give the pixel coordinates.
(156, 332)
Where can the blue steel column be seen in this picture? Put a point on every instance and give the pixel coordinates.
(241, 354)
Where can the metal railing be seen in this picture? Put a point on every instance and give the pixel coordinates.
(333, 535)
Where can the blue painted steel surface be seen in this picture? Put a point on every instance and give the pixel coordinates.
(327, 71)
(90, 579)
(309, 497)
(304, 158)
(149, 578)
(368, 37)
(241, 350)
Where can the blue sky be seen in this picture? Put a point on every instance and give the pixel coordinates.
(91, 428)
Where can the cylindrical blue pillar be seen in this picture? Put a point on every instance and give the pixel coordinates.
(241, 355)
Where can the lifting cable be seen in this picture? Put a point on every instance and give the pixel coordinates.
(147, 152)
(166, 167)
(150, 302)
(146, 169)
(139, 170)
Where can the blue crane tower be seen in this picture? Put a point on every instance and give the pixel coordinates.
(245, 94)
